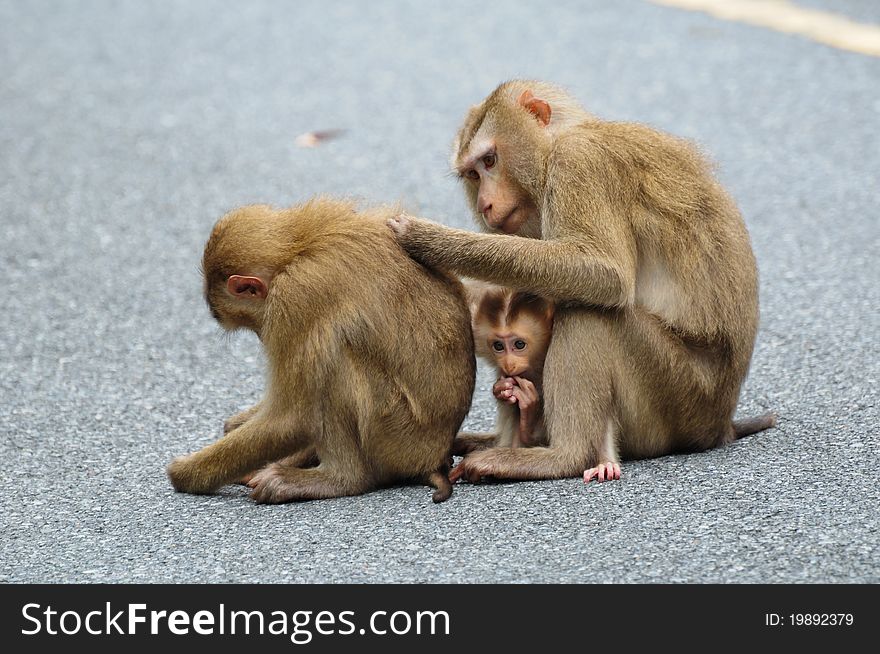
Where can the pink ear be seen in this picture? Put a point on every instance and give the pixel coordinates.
(540, 109)
(247, 287)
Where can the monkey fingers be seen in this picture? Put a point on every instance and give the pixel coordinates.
(456, 473)
(526, 398)
(503, 390)
(262, 476)
(257, 477)
(527, 389)
(252, 479)
(400, 225)
(602, 472)
(277, 483)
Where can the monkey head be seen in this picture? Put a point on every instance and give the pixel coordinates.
(500, 149)
(242, 256)
(512, 330)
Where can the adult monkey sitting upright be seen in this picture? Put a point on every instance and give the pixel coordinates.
(648, 258)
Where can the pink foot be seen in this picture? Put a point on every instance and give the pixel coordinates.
(603, 472)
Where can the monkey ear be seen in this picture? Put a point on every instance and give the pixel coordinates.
(247, 287)
(540, 109)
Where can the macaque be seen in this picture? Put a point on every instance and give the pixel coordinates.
(647, 259)
(512, 332)
(348, 323)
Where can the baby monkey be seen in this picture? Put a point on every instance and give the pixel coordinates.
(512, 332)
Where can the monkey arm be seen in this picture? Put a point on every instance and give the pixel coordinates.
(527, 421)
(467, 442)
(236, 421)
(529, 403)
(258, 441)
(567, 269)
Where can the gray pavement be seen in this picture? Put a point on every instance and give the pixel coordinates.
(127, 128)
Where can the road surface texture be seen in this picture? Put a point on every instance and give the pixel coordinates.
(128, 128)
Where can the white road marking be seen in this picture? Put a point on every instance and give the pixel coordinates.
(783, 16)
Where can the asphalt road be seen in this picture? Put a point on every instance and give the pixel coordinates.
(128, 128)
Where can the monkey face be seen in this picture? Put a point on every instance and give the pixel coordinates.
(490, 183)
(512, 330)
(501, 203)
(494, 156)
(512, 354)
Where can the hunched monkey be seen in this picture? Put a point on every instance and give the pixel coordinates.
(348, 322)
(647, 258)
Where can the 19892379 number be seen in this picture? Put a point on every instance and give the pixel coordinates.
(809, 620)
(821, 619)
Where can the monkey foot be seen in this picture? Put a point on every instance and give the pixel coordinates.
(277, 483)
(251, 480)
(270, 487)
(602, 472)
(473, 467)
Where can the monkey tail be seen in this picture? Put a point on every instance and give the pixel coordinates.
(748, 426)
(440, 481)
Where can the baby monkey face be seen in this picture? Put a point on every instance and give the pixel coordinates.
(512, 330)
(512, 354)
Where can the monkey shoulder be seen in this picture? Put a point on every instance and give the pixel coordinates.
(575, 148)
(596, 155)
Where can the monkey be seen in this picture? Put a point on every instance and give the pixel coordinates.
(644, 253)
(370, 356)
(511, 332)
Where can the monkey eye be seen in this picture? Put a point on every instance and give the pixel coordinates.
(498, 346)
(519, 344)
(472, 174)
(489, 160)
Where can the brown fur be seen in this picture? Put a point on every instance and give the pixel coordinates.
(371, 364)
(647, 257)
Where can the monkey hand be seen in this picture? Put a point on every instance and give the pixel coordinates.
(400, 225)
(526, 395)
(413, 234)
(503, 390)
(603, 472)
